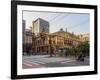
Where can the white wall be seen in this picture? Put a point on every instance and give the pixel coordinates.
(5, 29)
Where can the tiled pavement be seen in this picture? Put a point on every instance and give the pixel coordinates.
(41, 61)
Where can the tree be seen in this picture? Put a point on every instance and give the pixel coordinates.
(73, 51)
(84, 48)
(81, 47)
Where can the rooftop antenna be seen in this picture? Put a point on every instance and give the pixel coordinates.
(73, 33)
(66, 29)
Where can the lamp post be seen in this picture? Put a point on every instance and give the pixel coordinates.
(50, 50)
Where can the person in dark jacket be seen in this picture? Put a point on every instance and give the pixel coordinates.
(81, 57)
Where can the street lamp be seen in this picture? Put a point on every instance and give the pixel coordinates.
(50, 50)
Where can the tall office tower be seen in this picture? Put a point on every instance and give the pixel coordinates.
(23, 29)
(39, 26)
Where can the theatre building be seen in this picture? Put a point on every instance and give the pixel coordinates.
(85, 37)
(41, 43)
(60, 41)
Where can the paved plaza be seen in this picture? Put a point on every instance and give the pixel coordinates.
(41, 61)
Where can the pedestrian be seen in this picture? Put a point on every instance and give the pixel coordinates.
(79, 56)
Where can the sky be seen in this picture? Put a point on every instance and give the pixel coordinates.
(78, 23)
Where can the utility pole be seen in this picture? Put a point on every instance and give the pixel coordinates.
(50, 50)
(66, 29)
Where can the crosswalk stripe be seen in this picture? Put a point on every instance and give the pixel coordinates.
(30, 63)
(27, 64)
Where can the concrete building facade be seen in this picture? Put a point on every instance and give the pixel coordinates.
(39, 26)
(58, 40)
(38, 40)
(23, 30)
(28, 42)
(85, 37)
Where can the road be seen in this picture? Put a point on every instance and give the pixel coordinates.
(41, 61)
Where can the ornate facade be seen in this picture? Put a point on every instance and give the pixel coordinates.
(84, 37)
(57, 40)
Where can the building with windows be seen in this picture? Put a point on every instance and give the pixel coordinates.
(65, 40)
(23, 29)
(38, 40)
(41, 43)
(60, 40)
(31, 35)
(28, 42)
(84, 37)
(39, 26)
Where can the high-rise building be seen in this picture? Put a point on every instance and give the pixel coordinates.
(23, 29)
(39, 26)
(23, 34)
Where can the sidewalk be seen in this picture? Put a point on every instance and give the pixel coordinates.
(48, 59)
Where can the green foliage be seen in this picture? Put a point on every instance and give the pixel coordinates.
(81, 47)
(84, 47)
(73, 51)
